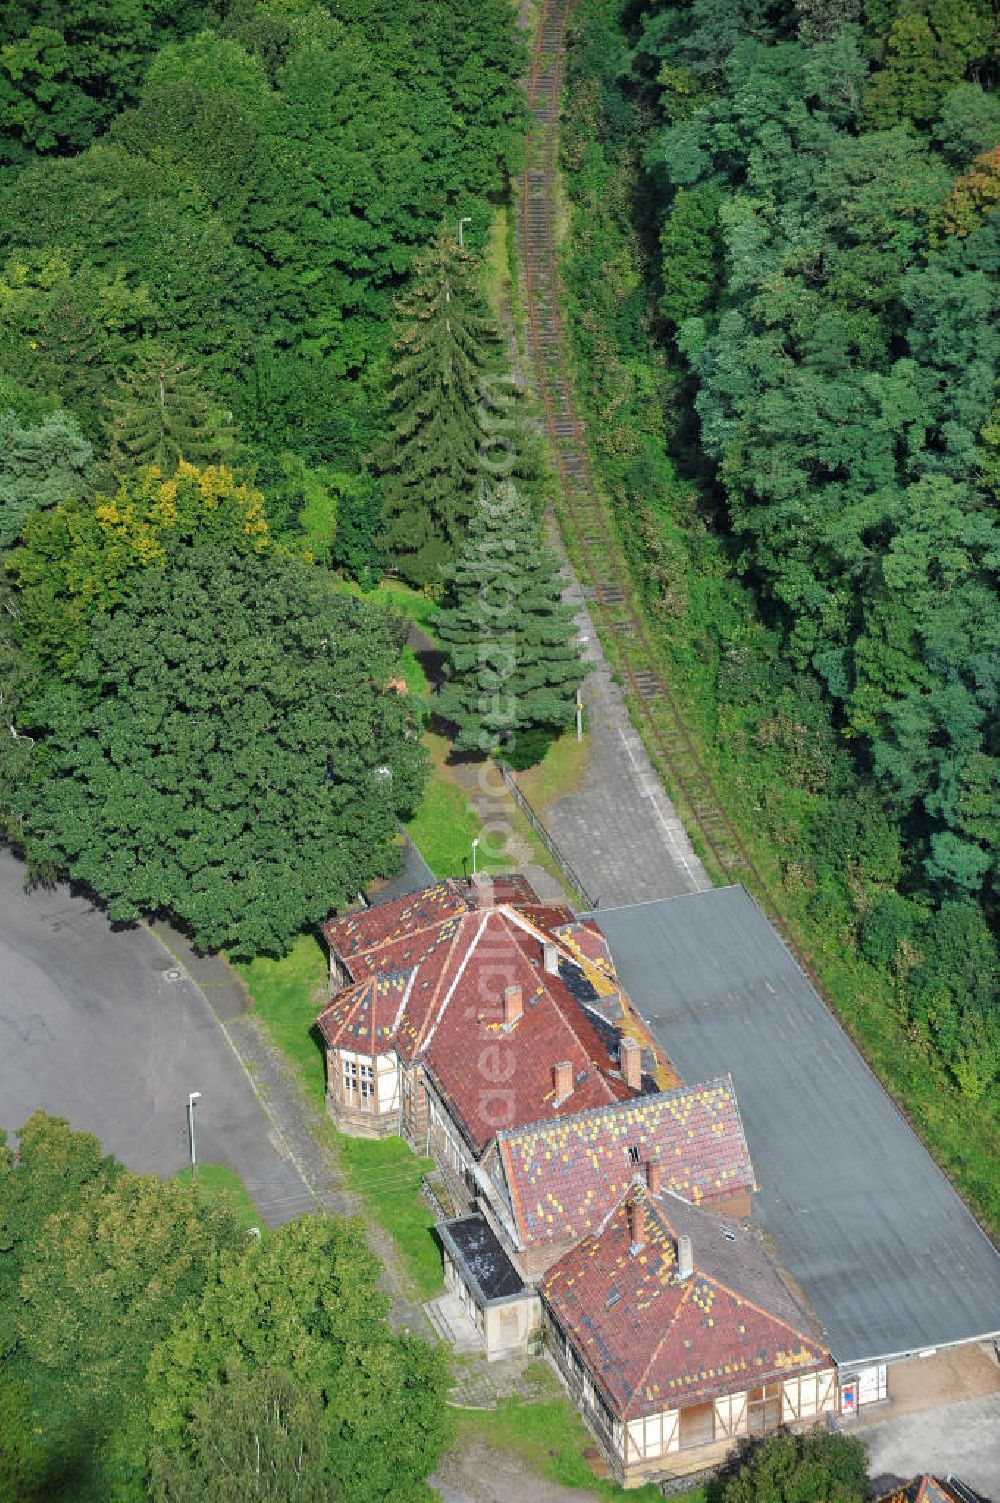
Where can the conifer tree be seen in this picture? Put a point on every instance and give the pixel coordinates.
(445, 342)
(160, 415)
(509, 641)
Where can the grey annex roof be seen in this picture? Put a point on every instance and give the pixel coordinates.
(856, 1210)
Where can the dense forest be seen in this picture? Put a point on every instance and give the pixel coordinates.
(241, 351)
(783, 277)
(156, 1345)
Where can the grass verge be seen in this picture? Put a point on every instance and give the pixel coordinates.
(217, 1182)
(387, 1175)
(558, 773)
(287, 994)
(550, 1437)
(398, 597)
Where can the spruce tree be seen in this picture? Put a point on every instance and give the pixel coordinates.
(160, 415)
(445, 343)
(512, 659)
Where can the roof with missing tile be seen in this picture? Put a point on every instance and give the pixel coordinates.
(926, 1489)
(564, 1176)
(654, 1341)
(849, 1196)
(430, 972)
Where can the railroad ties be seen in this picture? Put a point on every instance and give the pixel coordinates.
(605, 582)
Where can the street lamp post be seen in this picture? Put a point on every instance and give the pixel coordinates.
(193, 1096)
(466, 219)
(475, 847)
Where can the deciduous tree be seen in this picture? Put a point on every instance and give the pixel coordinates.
(809, 1468)
(258, 1437)
(226, 751)
(79, 559)
(306, 1301)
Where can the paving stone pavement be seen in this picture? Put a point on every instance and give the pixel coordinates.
(963, 1438)
(619, 829)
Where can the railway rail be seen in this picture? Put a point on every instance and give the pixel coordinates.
(584, 512)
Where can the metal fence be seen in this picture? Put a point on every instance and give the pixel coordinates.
(590, 901)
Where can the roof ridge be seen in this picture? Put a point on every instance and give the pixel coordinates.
(418, 1042)
(509, 1133)
(668, 1328)
(358, 988)
(713, 1279)
(424, 1044)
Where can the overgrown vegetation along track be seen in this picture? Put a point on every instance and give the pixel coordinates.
(584, 512)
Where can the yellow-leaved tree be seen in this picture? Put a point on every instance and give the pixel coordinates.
(76, 561)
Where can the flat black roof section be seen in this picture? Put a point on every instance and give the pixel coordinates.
(474, 1241)
(855, 1208)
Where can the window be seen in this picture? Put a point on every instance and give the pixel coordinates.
(764, 1409)
(359, 1083)
(698, 1424)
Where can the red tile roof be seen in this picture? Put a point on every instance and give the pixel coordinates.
(653, 1341)
(925, 1489)
(365, 1016)
(565, 1176)
(584, 938)
(355, 936)
(459, 957)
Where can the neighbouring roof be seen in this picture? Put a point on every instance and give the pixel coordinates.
(653, 1341)
(430, 971)
(564, 1175)
(886, 1252)
(473, 1243)
(928, 1489)
(391, 935)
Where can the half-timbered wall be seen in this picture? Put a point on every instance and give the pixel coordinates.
(363, 1092)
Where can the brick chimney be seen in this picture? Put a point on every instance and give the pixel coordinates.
(630, 1062)
(513, 1004)
(550, 958)
(653, 1177)
(636, 1225)
(562, 1079)
(685, 1258)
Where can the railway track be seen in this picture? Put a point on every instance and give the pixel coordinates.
(583, 510)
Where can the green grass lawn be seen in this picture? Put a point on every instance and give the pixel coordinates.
(412, 604)
(557, 774)
(387, 1174)
(218, 1182)
(444, 826)
(550, 1437)
(287, 995)
(417, 685)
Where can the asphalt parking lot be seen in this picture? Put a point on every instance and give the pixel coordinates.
(100, 1025)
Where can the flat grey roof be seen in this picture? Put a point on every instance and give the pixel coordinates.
(856, 1209)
